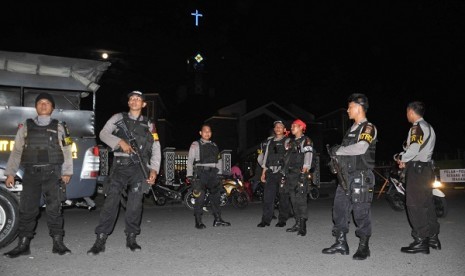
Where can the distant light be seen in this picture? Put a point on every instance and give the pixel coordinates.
(104, 55)
(198, 58)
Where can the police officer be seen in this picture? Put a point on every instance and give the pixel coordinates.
(297, 164)
(203, 168)
(357, 156)
(126, 171)
(416, 159)
(272, 160)
(43, 147)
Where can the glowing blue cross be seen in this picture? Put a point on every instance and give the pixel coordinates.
(197, 15)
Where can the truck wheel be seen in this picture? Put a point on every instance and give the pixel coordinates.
(9, 217)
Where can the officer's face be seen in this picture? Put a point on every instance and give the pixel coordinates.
(296, 129)
(206, 133)
(44, 107)
(279, 129)
(353, 110)
(411, 115)
(136, 103)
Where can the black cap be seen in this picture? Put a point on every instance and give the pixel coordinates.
(47, 97)
(137, 93)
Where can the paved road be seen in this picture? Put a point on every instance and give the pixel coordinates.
(172, 246)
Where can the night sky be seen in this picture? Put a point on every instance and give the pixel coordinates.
(311, 53)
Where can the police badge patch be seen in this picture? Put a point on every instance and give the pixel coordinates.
(367, 133)
(416, 135)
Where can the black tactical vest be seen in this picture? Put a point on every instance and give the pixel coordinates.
(42, 145)
(296, 160)
(141, 132)
(359, 162)
(208, 152)
(276, 151)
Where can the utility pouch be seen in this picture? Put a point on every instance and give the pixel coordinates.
(302, 186)
(302, 189)
(145, 188)
(419, 168)
(61, 196)
(362, 187)
(282, 185)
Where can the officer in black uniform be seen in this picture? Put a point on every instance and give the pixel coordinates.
(416, 159)
(126, 171)
(357, 159)
(43, 147)
(272, 159)
(203, 168)
(297, 164)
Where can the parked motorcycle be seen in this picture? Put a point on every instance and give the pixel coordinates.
(232, 191)
(162, 191)
(395, 194)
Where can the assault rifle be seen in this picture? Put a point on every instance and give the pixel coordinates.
(137, 154)
(335, 168)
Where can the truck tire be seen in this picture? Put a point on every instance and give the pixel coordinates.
(9, 217)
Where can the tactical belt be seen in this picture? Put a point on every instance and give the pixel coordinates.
(124, 160)
(293, 170)
(419, 163)
(205, 169)
(42, 168)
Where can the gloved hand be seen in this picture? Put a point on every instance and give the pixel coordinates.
(333, 149)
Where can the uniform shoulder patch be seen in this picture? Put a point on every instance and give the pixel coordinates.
(67, 140)
(308, 141)
(416, 134)
(367, 134)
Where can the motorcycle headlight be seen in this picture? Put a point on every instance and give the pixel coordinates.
(437, 184)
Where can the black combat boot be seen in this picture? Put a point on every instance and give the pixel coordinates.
(302, 227)
(280, 224)
(99, 245)
(59, 247)
(419, 245)
(21, 249)
(340, 246)
(131, 242)
(363, 250)
(218, 221)
(263, 224)
(198, 222)
(296, 226)
(434, 242)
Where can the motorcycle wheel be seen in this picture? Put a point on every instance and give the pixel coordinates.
(240, 200)
(396, 201)
(9, 217)
(314, 193)
(189, 200)
(440, 205)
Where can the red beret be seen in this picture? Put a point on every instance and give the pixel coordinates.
(300, 123)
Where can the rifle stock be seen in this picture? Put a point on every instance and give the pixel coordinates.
(336, 169)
